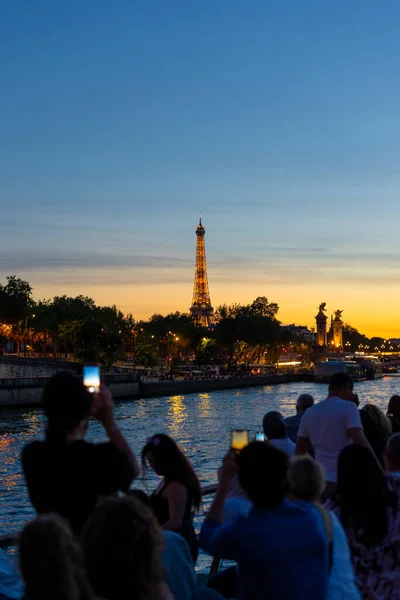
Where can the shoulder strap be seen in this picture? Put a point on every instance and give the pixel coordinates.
(328, 524)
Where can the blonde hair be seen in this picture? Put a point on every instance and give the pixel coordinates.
(383, 423)
(306, 478)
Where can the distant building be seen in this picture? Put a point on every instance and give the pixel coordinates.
(301, 331)
(332, 339)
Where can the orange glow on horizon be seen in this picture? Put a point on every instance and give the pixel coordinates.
(372, 309)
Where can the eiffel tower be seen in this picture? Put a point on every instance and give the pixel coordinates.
(201, 309)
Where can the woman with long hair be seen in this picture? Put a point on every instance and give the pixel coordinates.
(179, 492)
(368, 506)
(377, 429)
(393, 413)
(52, 563)
(122, 544)
(64, 473)
(381, 421)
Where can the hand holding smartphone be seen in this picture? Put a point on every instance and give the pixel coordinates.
(260, 437)
(103, 408)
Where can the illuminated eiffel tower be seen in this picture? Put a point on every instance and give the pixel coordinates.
(201, 309)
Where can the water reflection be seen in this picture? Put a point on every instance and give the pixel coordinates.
(177, 414)
(204, 404)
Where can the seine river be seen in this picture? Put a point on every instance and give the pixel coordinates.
(200, 423)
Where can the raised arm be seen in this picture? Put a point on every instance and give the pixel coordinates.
(225, 475)
(215, 538)
(103, 411)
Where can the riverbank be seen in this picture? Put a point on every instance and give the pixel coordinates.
(27, 392)
(149, 389)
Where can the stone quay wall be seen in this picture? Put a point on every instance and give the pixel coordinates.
(27, 392)
(18, 366)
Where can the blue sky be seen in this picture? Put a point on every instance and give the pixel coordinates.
(279, 120)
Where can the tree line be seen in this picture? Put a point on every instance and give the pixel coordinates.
(67, 325)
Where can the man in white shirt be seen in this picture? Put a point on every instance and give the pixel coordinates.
(330, 426)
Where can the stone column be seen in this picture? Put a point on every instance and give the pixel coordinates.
(321, 320)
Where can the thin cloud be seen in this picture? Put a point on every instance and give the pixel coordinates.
(18, 225)
(47, 261)
(131, 277)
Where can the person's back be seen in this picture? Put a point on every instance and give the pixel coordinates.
(180, 575)
(330, 426)
(368, 506)
(236, 507)
(278, 542)
(11, 586)
(326, 425)
(67, 479)
(274, 548)
(286, 445)
(64, 473)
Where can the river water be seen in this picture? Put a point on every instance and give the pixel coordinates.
(200, 423)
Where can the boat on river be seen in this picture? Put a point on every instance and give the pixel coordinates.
(323, 371)
(372, 367)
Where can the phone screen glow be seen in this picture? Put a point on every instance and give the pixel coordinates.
(240, 439)
(91, 378)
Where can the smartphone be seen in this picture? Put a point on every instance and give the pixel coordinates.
(239, 439)
(91, 378)
(260, 437)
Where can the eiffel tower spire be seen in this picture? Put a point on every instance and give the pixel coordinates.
(201, 309)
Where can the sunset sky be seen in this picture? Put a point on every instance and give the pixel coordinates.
(280, 120)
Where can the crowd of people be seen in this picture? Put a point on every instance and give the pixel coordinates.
(313, 512)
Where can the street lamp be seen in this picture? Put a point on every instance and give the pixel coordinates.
(176, 339)
(26, 332)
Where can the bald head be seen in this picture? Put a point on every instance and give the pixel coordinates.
(303, 402)
(393, 454)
